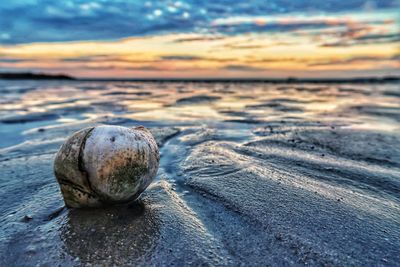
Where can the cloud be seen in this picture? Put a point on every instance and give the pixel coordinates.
(242, 68)
(194, 58)
(349, 25)
(274, 60)
(243, 46)
(199, 39)
(181, 57)
(14, 60)
(54, 21)
(353, 60)
(59, 21)
(146, 68)
(105, 58)
(374, 37)
(365, 39)
(121, 59)
(86, 58)
(98, 68)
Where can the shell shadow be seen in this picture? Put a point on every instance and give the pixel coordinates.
(111, 235)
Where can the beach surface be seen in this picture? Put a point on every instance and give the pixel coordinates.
(250, 174)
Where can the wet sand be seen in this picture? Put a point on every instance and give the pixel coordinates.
(250, 174)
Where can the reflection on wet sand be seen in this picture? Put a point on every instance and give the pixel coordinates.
(57, 101)
(111, 236)
(250, 174)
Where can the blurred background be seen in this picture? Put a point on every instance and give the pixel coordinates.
(201, 39)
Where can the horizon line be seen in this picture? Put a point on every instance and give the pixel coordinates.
(47, 76)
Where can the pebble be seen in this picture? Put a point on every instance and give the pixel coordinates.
(27, 218)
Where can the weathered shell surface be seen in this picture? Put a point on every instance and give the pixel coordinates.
(106, 165)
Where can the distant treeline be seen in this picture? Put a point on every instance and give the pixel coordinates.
(261, 80)
(34, 76)
(43, 76)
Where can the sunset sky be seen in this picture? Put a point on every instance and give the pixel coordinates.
(200, 38)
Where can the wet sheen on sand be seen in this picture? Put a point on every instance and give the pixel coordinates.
(250, 174)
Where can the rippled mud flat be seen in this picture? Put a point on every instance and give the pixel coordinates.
(251, 174)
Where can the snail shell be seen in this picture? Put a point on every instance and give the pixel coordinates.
(106, 165)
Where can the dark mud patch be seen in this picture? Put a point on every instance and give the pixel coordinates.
(276, 105)
(143, 93)
(92, 88)
(234, 113)
(353, 90)
(116, 93)
(378, 110)
(68, 101)
(31, 117)
(124, 93)
(111, 106)
(311, 89)
(17, 90)
(245, 97)
(289, 100)
(392, 93)
(198, 99)
(247, 121)
(284, 88)
(76, 109)
(129, 86)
